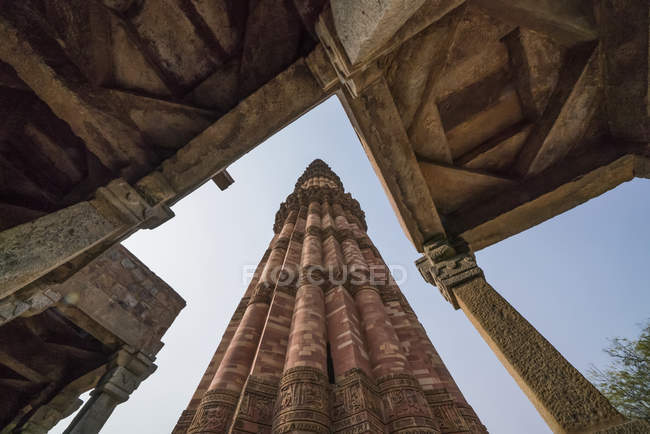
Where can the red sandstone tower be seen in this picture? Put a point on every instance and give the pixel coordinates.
(323, 340)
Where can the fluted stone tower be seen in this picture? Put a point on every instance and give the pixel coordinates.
(323, 340)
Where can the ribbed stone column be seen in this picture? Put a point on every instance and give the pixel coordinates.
(188, 414)
(303, 401)
(320, 347)
(255, 408)
(405, 407)
(565, 399)
(215, 412)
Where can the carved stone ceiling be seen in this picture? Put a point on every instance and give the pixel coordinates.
(482, 117)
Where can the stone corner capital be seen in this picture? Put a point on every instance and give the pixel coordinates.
(448, 264)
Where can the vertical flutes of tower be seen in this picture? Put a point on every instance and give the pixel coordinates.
(324, 340)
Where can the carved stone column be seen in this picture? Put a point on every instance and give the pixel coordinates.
(129, 370)
(565, 399)
(303, 403)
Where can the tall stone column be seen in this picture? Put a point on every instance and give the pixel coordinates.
(326, 356)
(303, 399)
(405, 407)
(255, 408)
(128, 370)
(565, 399)
(215, 412)
(186, 417)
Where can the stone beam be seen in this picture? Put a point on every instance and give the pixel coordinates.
(114, 140)
(568, 22)
(22, 367)
(33, 249)
(624, 38)
(452, 186)
(181, 122)
(379, 127)
(571, 107)
(269, 109)
(364, 26)
(556, 190)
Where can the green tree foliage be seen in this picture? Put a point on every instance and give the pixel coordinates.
(626, 381)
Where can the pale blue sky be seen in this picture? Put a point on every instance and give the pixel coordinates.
(579, 278)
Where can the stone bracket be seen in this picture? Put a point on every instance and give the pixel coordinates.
(130, 368)
(131, 207)
(447, 266)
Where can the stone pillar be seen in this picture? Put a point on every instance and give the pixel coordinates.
(565, 399)
(303, 403)
(128, 370)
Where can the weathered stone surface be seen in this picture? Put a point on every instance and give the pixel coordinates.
(451, 187)
(570, 109)
(579, 179)
(564, 398)
(114, 141)
(291, 93)
(388, 148)
(625, 48)
(123, 296)
(32, 249)
(567, 22)
(364, 26)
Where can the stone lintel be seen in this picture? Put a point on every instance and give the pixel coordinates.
(33, 249)
(30, 250)
(566, 22)
(291, 93)
(577, 179)
(379, 127)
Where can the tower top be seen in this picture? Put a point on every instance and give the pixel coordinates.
(319, 174)
(320, 184)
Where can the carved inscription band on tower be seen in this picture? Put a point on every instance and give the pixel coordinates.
(323, 339)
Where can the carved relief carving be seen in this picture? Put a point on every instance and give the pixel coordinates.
(447, 266)
(215, 412)
(262, 294)
(405, 407)
(445, 411)
(257, 404)
(302, 403)
(184, 422)
(356, 405)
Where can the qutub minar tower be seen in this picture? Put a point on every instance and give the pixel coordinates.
(323, 340)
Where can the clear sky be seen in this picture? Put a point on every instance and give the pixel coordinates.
(578, 278)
